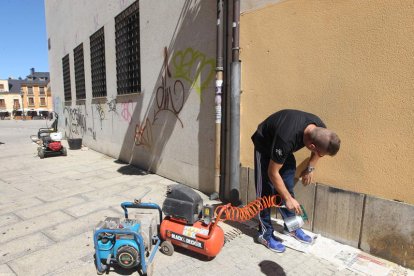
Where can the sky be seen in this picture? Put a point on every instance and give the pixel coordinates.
(23, 39)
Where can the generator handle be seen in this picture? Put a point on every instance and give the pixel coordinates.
(126, 205)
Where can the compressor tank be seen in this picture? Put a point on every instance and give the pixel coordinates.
(205, 239)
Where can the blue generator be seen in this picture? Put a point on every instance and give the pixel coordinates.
(128, 243)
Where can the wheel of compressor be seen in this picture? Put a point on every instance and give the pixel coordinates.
(127, 256)
(41, 153)
(167, 248)
(64, 151)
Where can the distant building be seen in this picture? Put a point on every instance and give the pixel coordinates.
(31, 96)
(10, 100)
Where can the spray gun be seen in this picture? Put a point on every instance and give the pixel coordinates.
(295, 222)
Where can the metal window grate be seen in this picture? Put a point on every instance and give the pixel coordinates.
(66, 78)
(98, 68)
(127, 39)
(79, 72)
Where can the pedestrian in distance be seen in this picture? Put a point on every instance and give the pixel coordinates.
(275, 141)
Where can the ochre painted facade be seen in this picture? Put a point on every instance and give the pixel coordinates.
(36, 97)
(351, 63)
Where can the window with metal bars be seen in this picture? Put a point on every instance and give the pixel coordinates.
(98, 68)
(127, 40)
(66, 78)
(79, 72)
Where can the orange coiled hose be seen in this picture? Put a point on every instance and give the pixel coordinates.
(228, 212)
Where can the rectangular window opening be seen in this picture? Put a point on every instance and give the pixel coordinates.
(127, 40)
(66, 78)
(98, 67)
(79, 73)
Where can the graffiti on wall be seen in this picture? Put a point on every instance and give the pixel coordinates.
(169, 98)
(111, 105)
(75, 121)
(143, 134)
(190, 66)
(127, 111)
(185, 71)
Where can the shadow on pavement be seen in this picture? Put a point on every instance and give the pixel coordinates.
(192, 254)
(248, 230)
(129, 169)
(271, 268)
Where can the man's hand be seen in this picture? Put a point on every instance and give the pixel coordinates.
(293, 205)
(307, 177)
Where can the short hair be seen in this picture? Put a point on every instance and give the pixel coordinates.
(326, 139)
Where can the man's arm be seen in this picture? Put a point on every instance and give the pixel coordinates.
(307, 175)
(277, 180)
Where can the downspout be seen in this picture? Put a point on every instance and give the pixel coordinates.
(218, 95)
(235, 110)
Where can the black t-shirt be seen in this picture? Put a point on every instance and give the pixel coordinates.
(282, 133)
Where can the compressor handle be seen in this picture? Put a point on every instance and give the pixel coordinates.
(126, 205)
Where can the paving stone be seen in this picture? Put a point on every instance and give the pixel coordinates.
(20, 247)
(6, 271)
(110, 190)
(54, 256)
(49, 207)
(60, 237)
(71, 228)
(14, 199)
(8, 219)
(93, 206)
(26, 227)
(64, 193)
(101, 184)
(137, 192)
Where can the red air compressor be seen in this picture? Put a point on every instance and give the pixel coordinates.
(189, 224)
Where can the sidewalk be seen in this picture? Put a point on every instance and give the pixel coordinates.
(49, 207)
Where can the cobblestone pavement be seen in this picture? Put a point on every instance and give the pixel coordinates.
(49, 207)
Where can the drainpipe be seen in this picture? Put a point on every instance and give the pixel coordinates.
(235, 111)
(219, 86)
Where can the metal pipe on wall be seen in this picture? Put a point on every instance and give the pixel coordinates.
(235, 110)
(218, 94)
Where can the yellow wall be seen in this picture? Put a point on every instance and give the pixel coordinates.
(36, 99)
(9, 98)
(350, 62)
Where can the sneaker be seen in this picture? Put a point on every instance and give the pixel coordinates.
(272, 244)
(301, 236)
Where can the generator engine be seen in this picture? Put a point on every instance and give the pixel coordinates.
(128, 242)
(189, 224)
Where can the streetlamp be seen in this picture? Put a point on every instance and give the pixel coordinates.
(21, 90)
